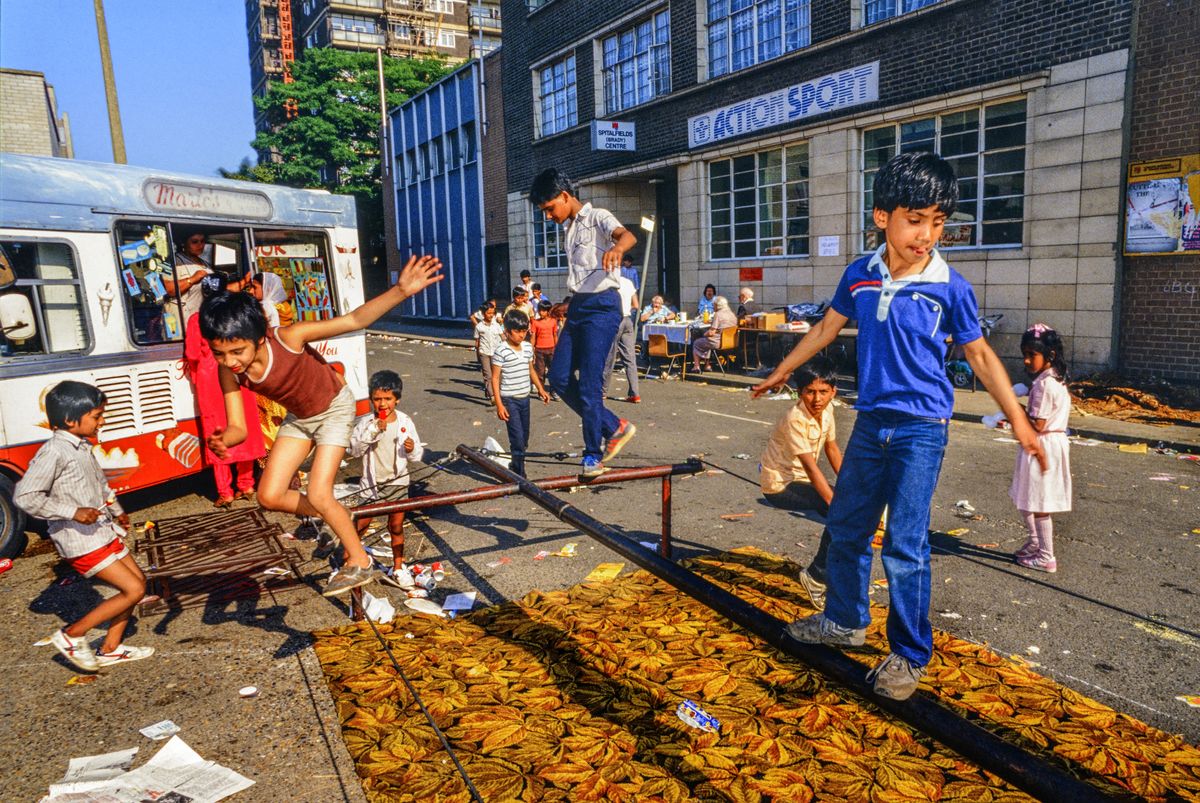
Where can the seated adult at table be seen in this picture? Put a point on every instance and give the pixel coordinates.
(706, 301)
(657, 311)
(746, 304)
(723, 318)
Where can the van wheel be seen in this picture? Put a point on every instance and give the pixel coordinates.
(12, 522)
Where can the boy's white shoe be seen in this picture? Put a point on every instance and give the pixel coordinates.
(123, 655)
(75, 650)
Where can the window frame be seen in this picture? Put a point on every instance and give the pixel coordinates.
(754, 10)
(784, 184)
(979, 176)
(541, 263)
(898, 9)
(570, 92)
(611, 75)
(326, 252)
(35, 303)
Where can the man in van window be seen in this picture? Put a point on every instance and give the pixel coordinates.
(190, 268)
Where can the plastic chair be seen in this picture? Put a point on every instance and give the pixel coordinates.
(661, 347)
(728, 348)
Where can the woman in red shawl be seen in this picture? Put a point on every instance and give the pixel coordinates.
(202, 369)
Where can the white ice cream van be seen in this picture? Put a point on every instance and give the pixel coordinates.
(88, 253)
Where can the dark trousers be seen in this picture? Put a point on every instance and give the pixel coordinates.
(801, 496)
(518, 430)
(577, 372)
(541, 362)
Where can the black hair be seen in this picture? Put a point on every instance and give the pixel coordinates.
(386, 380)
(818, 368)
(213, 283)
(515, 319)
(545, 306)
(1049, 343)
(520, 290)
(70, 401)
(232, 316)
(535, 286)
(525, 274)
(485, 306)
(916, 180)
(627, 257)
(708, 287)
(547, 186)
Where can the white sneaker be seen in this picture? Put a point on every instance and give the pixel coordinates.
(75, 650)
(399, 578)
(123, 655)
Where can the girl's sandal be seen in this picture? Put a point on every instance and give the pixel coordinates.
(244, 495)
(223, 501)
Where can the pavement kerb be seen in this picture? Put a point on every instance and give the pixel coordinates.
(1107, 435)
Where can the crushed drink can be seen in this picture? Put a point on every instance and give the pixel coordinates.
(426, 580)
(697, 717)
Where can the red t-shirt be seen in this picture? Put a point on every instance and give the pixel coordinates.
(544, 332)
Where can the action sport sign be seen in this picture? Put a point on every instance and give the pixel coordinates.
(840, 90)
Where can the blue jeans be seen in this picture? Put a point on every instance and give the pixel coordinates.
(892, 459)
(577, 372)
(518, 430)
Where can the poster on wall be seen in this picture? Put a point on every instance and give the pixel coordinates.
(1162, 206)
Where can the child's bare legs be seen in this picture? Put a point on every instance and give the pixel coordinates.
(126, 576)
(274, 494)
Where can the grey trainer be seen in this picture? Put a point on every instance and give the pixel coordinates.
(349, 578)
(816, 629)
(816, 591)
(896, 677)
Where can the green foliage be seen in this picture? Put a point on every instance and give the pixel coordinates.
(336, 123)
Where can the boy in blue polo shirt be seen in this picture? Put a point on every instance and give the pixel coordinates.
(907, 301)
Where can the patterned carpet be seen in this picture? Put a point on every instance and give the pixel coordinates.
(571, 696)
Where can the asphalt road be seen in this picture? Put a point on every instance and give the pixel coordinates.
(1119, 622)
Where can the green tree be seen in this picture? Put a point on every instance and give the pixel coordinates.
(324, 128)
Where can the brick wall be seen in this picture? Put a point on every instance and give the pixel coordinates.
(495, 170)
(955, 44)
(1160, 299)
(25, 124)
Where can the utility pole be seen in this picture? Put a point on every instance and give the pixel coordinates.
(110, 87)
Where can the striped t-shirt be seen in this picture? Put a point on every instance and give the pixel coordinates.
(514, 369)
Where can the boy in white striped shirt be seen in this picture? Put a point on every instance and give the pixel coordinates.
(513, 378)
(66, 486)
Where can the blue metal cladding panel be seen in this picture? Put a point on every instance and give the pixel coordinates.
(442, 214)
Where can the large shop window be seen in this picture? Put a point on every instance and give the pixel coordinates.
(879, 10)
(48, 278)
(637, 63)
(548, 252)
(303, 287)
(758, 204)
(742, 33)
(556, 83)
(986, 146)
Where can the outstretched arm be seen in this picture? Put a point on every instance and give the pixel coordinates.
(819, 337)
(991, 373)
(418, 273)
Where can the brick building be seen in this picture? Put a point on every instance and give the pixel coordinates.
(31, 122)
(279, 31)
(759, 124)
(1160, 298)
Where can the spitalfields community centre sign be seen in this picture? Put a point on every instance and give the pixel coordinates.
(839, 90)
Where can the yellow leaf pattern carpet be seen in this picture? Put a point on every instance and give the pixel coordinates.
(571, 696)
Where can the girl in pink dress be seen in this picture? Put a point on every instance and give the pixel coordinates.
(1035, 492)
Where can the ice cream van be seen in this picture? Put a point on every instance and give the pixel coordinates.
(88, 261)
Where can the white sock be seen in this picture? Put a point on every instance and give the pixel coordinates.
(1045, 536)
(1031, 526)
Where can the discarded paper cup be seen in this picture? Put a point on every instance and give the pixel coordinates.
(439, 574)
(248, 691)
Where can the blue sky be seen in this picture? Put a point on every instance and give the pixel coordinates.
(182, 72)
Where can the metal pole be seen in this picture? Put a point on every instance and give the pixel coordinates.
(385, 161)
(486, 492)
(664, 546)
(922, 711)
(110, 86)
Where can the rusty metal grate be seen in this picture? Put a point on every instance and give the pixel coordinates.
(214, 558)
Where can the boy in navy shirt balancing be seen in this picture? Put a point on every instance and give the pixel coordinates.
(907, 301)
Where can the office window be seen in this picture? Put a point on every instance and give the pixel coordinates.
(879, 10)
(637, 63)
(557, 93)
(468, 143)
(986, 146)
(548, 236)
(758, 204)
(742, 33)
(453, 151)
